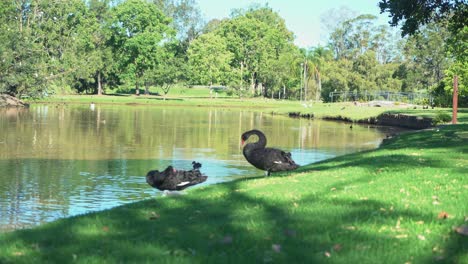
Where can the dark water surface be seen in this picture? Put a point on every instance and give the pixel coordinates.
(59, 161)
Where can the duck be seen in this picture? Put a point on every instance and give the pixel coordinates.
(172, 179)
(263, 158)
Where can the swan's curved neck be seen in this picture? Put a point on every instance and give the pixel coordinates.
(261, 143)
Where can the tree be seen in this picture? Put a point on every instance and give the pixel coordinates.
(426, 58)
(167, 72)
(254, 37)
(209, 60)
(316, 58)
(281, 73)
(46, 45)
(441, 27)
(19, 73)
(415, 13)
(186, 18)
(101, 52)
(138, 31)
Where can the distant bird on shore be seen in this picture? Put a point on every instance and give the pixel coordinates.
(267, 159)
(175, 180)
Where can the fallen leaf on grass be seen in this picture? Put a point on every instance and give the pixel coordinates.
(276, 248)
(105, 228)
(193, 251)
(443, 215)
(327, 254)
(18, 253)
(290, 232)
(337, 247)
(154, 216)
(226, 240)
(421, 237)
(462, 230)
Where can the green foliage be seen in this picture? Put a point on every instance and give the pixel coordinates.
(255, 37)
(415, 13)
(441, 117)
(138, 30)
(90, 46)
(209, 60)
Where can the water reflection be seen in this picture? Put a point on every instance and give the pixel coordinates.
(60, 160)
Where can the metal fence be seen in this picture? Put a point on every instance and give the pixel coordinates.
(407, 97)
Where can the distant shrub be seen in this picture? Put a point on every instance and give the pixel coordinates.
(442, 117)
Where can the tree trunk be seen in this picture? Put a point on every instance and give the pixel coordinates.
(319, 84)
(146, 88)
(137, 85)
(99, 83)
(252, 83)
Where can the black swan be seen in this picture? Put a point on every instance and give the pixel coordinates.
(175, 180)
(267, 159)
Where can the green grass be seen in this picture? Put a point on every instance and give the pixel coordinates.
(379, 206)
(199, 97)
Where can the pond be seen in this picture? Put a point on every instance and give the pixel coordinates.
(64, 160)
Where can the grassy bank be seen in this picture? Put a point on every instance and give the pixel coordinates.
(397, 204)
(345, 110)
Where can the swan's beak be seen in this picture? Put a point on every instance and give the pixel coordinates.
(242, 142)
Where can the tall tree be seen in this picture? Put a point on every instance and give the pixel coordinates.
(209, 60)
(21, 55)
(46, 46)
(138, 32)
(101, 52)
(316, 59)
(168, 71)
(255, 36)
(415, 13)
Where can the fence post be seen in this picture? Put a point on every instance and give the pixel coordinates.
(455, 99)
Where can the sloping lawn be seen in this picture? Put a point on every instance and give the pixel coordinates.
(405, 202)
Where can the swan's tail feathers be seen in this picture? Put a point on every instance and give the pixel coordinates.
(287, 156)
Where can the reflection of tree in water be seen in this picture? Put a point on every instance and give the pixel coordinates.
(63, 160)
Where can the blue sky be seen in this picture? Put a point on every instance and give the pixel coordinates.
(303, 17)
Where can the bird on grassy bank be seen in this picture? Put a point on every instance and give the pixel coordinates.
(263, 158)
(175, 180)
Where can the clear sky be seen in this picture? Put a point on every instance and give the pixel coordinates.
(303, 17)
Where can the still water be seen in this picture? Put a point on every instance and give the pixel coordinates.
(63, 160)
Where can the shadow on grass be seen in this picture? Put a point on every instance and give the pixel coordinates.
(228, 226)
